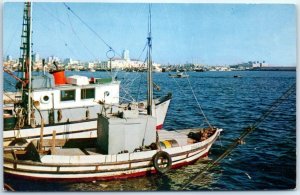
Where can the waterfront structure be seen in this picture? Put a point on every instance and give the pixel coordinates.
(259, 64)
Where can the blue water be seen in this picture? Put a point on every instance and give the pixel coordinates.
(266, 162)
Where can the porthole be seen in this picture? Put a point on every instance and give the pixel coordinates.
(45, 99)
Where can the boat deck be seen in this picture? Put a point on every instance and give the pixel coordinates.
(180, 137)
(74, 151)
(77, 147)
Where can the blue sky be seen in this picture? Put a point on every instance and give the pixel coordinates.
(212, 34)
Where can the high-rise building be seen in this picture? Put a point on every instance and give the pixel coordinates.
(49, 59)
(68, 61)
(126, 55)
(8, 58)
(36, 57)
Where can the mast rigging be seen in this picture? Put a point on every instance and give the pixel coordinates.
(25, 59)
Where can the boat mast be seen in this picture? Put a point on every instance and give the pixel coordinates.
(26, 57)
(149, 65)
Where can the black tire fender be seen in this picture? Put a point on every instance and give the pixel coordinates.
(18, 142)
(160, 157)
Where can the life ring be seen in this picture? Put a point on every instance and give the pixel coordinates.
(162, 162)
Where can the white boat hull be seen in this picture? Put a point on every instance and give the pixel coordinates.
(79, 129)
(104, 167)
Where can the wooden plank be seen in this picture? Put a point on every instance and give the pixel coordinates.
(58, 142)
(53, 140)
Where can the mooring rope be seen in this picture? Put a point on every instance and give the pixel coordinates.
(243, 135)
(199, 106)
(8, 187)
(6, 94)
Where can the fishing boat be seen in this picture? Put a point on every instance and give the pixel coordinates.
(179, 75)
(127, 145)
(67, 104)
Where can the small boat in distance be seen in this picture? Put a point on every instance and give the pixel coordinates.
(179, 75)
(237, 76)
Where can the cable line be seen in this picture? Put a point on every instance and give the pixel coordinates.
(243, 135)
(90, 28)
(199, 106)
(74, 32)
(52, 15)
(142, 51)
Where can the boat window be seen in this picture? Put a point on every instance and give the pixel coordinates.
(66, 95)
(88, 93)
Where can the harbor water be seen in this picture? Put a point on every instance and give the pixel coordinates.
(267, 160)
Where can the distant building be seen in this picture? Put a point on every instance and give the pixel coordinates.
(71, 61)
(8, 58)
(35, 57)
(90, 65)
(120, 63)
(51, 59)
(126, 55)
(242, 66)
(68, 61)
(257, 64)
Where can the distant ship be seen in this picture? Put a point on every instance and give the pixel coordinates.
(179, 75)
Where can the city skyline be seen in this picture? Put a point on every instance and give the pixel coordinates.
(200, 33)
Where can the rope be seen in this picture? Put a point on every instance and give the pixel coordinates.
(199, 106)
(181, 91)
(11, 83)
(243, 135)
(97, 35)
(138, 91)
(5, 93)
(62, 25)
(74, 32)
(127, 93)
(142, 52)
(52, 15)
(8, 187)
(180, 88)
(6, 50)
